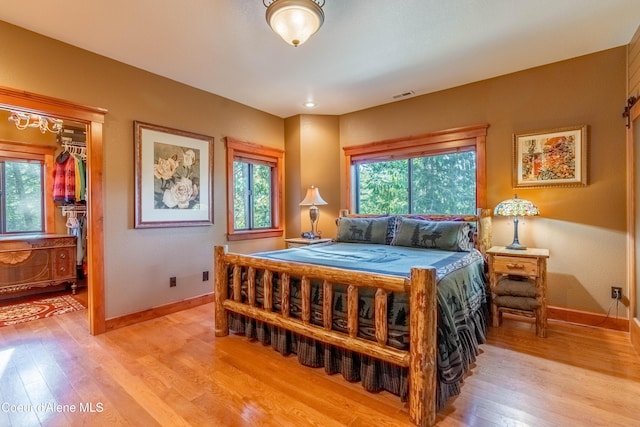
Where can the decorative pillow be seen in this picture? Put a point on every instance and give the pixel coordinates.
(445, 235)
(473, 226)
(519, 303)
(363, 230)
(516, 287)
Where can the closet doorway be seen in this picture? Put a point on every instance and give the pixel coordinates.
(93, 119)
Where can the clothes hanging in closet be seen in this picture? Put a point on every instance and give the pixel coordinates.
(69, 180)
(77, 225)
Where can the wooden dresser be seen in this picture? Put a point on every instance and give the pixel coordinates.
(35, 263)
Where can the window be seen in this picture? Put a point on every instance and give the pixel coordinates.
(21, 196)
(254, 183)
(440, 173)
(24, 207)
(441, 183)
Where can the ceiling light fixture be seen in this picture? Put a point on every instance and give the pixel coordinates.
(309, 104)
(294, 20)
(44, 123)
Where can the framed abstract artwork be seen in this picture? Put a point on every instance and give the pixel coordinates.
(173, 177)
(556, 157)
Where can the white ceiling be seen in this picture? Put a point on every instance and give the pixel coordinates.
(366, 52)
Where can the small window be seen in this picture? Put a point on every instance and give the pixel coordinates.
(254, 176)
(252, 195)
(21, 196)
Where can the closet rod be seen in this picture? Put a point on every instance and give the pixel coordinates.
(72, 208)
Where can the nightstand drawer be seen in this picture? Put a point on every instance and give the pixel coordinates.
(519, 266)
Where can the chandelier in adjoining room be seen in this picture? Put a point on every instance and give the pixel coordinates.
(44, 123)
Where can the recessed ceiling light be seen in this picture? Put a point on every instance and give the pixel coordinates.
(309, 104)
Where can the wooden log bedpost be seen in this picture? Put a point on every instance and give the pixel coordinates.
(221, 291)
(422, 346)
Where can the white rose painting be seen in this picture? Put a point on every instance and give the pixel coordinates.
(176, 177)
(173, 177)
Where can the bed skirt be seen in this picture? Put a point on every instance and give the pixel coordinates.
(374, 374)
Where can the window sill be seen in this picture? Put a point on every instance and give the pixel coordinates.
(255, 234)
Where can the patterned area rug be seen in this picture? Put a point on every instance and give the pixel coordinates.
(37, 309)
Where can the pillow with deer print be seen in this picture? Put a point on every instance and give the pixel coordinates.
(444, 235)
(363, 230)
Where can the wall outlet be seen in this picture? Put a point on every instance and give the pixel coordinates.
(205, 276)
(172, 282)
(616, 292)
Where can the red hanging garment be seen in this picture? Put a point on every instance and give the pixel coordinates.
(64, 179)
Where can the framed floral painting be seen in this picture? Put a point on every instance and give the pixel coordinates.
(173, 177)
(555, 157)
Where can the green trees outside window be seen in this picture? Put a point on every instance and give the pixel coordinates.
(21, 197)
(435, 184)
(252, 195)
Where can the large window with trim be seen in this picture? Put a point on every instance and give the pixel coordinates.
(439, 173)
(254, 177)
(442, 183)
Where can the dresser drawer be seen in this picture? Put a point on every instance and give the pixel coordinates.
(64, 263)
(519, 266)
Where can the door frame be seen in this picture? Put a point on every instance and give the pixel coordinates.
(632, 239)
(93, 118)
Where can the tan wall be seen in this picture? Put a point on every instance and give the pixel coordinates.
(292, 161)
(312, 158)
(584, 227)
(138, 263)
(633, 58)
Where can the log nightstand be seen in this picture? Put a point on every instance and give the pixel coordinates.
(518, 280)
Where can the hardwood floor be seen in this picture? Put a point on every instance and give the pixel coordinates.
(172, 371)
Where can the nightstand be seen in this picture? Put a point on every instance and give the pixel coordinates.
(518, 280)
(296, 242)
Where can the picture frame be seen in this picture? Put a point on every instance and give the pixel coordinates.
(550, 158)
(173, 177)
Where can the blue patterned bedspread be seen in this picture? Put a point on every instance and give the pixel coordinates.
(462, 297)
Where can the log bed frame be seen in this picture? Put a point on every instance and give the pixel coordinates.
(420, 359)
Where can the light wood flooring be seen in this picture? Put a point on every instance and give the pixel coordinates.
(173, 371)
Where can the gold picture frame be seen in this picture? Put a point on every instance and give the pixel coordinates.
(550, 158)
(173, 177)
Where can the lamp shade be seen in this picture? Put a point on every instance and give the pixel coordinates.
(295, 20)
(312, 197)
(516, 207)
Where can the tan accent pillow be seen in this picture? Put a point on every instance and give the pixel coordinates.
(516, 288)
(519, 303)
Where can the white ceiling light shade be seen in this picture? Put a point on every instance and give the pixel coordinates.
(294, 20)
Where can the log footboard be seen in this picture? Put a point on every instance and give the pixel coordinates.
(420, 359)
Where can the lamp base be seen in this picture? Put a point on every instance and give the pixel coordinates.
(516, 243)
(310, 235)
(516, 246)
